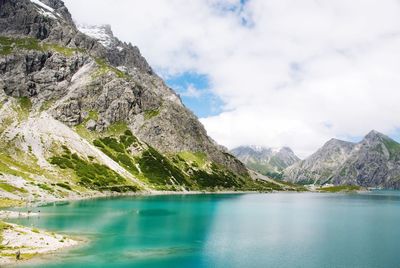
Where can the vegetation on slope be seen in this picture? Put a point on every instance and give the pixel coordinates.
(393, 148)
(151, 113)
(9, 44)
(10, 188)
(3, 226)
(340, 188)
(92, 175)
(266, 170)
(104, 67)
(150, 166)
(6, 203)
(185, 170)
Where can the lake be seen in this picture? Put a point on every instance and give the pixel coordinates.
(229, 230)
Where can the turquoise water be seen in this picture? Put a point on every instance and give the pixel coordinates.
(244, 230)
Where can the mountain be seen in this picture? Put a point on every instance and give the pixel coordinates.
(373, 162)
(83, 113)
(267, 161)
(320, 165)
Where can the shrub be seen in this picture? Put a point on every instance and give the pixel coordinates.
(159, 170)
(98, 143)
(64, 185)
(113, 144)
(46, 187)
(91, 175)
(151, 113)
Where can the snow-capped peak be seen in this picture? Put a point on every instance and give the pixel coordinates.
(276, 149)
(260, 148)
(257, 148)
(101, 33)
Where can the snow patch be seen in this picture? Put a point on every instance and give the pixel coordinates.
(276, 150)
(257, 148)
(45, 10)
(174, 98)
(47, 14)
(37, 2)
(122, 69)
(100, 33)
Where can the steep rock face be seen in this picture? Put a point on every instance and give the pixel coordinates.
(373, 162)
(266, 160)
(286, 157)
(50, 20)
(74, 76)
(38, 74)
(322, 164)
(35, 19)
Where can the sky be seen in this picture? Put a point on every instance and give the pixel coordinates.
(269, 72)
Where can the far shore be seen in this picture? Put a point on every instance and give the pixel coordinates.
(38, 203)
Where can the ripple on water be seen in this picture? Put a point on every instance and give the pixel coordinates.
(157, 252)
(155, 212)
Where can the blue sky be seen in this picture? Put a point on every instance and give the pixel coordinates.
(195, 93)
(265, 72)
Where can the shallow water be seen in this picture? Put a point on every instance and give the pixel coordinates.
(244, 230)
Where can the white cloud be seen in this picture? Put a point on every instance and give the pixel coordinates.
(297, 74)
(192, 92)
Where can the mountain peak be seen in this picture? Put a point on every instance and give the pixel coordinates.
(374, 135)
(257, 148)
(336, 142)
(286, 149)
(265, 160)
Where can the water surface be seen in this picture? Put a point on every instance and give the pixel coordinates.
(244, 230)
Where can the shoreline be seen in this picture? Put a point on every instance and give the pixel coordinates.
(43, 202)
(35, 204)
(32, 243)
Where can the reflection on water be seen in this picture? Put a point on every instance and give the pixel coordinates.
(251, 230)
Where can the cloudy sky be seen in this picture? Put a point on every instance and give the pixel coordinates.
(270, 72)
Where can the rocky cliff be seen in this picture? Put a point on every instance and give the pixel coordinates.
(373, 162)
(84, 110)
(267, 161)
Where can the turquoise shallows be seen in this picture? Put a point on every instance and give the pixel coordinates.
(243, 230)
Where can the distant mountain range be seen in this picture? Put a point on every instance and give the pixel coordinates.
(267, 161)
(373, 162)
